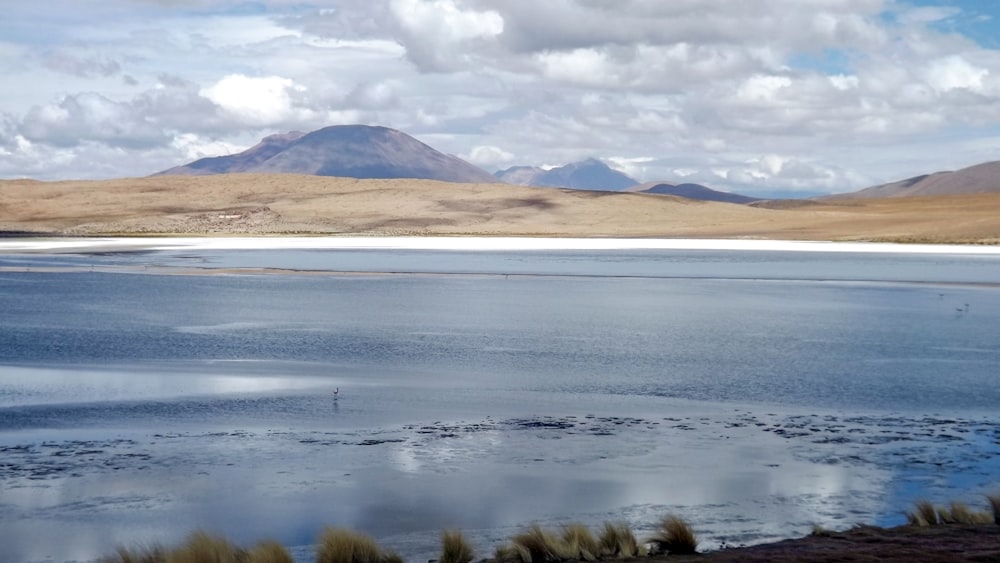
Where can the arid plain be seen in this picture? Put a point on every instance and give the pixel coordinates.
(286, 204)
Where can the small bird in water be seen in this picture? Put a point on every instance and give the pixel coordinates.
(335, 393)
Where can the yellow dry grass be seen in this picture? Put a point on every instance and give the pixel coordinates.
(296, 204)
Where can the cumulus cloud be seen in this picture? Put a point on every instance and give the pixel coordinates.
(256, 101)
(824, 95)
(489, 157)
(441, 35)
(83, 67)
(88, 116)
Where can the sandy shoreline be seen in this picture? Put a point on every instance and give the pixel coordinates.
(131, 244)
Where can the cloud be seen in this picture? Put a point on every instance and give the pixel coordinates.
(770, 94)
(489, 157)
(89, 116)
(82, 67)
(441, 36)
(256, 101)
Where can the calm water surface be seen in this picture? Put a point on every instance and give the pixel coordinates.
(755, 393)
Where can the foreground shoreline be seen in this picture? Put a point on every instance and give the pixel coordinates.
(953, 542)
(464, 243)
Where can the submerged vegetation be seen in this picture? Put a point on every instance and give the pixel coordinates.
(573, 542)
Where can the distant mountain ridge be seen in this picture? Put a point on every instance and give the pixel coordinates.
(351, 151)
(691, 191)
(589, 174)
(980, 178)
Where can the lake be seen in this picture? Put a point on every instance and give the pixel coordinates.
(146, 391)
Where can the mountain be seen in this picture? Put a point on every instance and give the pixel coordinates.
(590, 174)
(981, 178)
(691, 191)
(351, 151)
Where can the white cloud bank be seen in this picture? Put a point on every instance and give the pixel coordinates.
(766, 96)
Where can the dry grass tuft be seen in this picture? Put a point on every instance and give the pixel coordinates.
(961, 514)
(536, 545)
(924, 514)
(819, 531)
(675, 536)
(337, 545)
(506, 554)
(269, 552)
(580, 542)
(994, 501)
(617, 540)
(455, 548)
(150, 554)
(202, 547)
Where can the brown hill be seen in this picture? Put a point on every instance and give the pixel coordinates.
(287, 203)
(352, 151)
(981, 178)
(691, 191)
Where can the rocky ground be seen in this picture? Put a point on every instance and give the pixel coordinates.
(869, 543)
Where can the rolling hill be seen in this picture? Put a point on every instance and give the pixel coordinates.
(978, 179)
(350, 151)
(691, 191)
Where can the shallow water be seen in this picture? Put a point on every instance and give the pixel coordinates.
(754, 393)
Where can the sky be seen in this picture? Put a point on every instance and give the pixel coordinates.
(763, 97)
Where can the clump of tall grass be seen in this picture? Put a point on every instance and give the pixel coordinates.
(960, 513)
(201, 547)
(269, 552)
(148, 554)
(994, 501)
(580, 542)
(819, 531)
(536, 545)
(455, 548)
(926, 514)
(617, 540)
(337, 545)
(574, 542)
(675, 536)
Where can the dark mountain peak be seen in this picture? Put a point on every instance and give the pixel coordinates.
(353, 151)
(588, 174)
